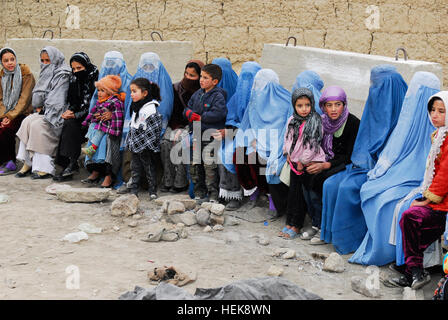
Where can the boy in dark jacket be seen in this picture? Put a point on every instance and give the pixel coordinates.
(206, 110)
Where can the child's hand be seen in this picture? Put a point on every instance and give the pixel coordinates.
(192, 116)
(417, 203)
(299, 166)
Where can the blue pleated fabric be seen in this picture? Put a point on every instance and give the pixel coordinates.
(229, 78)
(399, 170)
(113, 64)
(265, 120)
(152, 68)
(236, 108)
(341, 197)
(311, 80)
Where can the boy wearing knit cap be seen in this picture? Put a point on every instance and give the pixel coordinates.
(106, 117)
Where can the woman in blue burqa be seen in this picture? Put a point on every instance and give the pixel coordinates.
(310, 80)
(152, 68)
(259, 141)
(108, 158)
(229, 186)
(399, 170)
(343, 223)
(433, 253)
(229, 78)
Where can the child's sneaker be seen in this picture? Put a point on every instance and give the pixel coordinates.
(153, 196)
(419, 279)
(89, 151)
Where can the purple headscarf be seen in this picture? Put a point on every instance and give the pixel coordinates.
(332, 93)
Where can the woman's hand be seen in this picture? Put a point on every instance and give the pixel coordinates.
(423, 203)
(106, 116)
(317, 167)
(5, 122)
(68, 114)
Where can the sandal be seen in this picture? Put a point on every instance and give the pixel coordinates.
(309, 233)
(8, 168)
(290, 234)
(283, 232)
(90, 181)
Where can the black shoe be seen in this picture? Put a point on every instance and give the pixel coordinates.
(164, 189)
(91, 181)
(399, 269)
(23, 174)
(60, 178)
(420, 278)
(37, 176)
(178, 190)
(403, 281)
(233, 205)
(69, 171)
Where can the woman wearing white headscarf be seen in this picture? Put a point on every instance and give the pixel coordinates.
(39, 133)
(17, 83)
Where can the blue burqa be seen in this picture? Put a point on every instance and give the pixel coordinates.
(265, 121)
(113, 64)
(343, 222)
(229, 78)
(236, 108)
(151, 68)
(399, 169)
(310, 80)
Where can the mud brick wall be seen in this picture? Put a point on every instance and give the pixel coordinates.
(238, 29)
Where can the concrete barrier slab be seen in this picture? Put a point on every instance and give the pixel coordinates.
(174, 54)
(349, 70)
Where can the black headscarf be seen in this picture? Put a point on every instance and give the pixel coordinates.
(312, 131)
(82, 84)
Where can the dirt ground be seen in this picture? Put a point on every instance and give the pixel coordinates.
(35, 264)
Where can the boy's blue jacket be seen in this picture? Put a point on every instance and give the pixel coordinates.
(211, 106)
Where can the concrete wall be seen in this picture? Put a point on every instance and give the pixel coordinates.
(173, 54)
(349, 70)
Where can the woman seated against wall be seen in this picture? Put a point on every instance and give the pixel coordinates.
(80, 91)
(17, 83)
(39, 133)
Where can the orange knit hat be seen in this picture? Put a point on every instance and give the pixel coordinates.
(111, 84)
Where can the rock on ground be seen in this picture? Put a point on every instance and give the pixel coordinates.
(203, 217)
(175, 207)
(275, 271)
(85, 195)
(187, 218)
(362, 286)
(125, 205)
(334, 263)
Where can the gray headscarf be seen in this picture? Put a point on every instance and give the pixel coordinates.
(11, 83)
(56, 73)
(312, 131)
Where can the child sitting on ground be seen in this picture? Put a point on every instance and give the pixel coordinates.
(143, 139)
(106, 117)
(302, 146)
